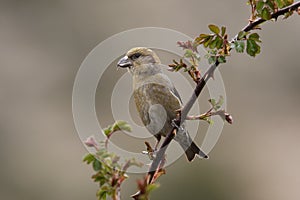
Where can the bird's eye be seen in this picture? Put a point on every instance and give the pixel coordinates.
(135, 56)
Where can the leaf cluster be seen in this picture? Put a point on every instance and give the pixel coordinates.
(109, 172)
(250, 41)
(216, 109)
(192, 70)
(265, 8)
(117, 126)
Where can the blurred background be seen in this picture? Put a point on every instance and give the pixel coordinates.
(42, 44)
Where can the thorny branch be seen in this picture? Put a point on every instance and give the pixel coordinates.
(202, 82)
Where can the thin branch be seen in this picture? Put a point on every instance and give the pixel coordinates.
(202, 82)
(275, 15)
(160, 155)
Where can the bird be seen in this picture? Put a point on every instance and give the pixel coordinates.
(157, 100)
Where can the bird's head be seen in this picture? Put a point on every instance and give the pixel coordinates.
(137, 57)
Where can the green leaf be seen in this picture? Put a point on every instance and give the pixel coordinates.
(210, 121)
(239, 46)
(223, 30)
(207, 41)
(270, 5)
(214, 29)
(241, 35)
(202, 38)
(279, 3)
(252, 48)
(97, 165)
(188, 53)
(219, 43)
(107, 131)
(266, 15)
(255, 37)
(259, 6)
(219, 103)
(221, 59)
(213, 102)
(89, 158)
(212, 59)
(121, 125)
(151, 187)
(213, 44)
(102, 193)
(102, 180)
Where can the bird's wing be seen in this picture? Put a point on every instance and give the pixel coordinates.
(156, 103)
(176, 94)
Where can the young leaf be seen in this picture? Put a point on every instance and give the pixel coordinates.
(89, 158)
(97, 165)
(209, 121)
(259, 6)
(214, 29)
(213, 102)
(239, 46)
(121, 125)
(252, 48)
(107, 131)
(266, 15)
(207, 41)
(102, 193)
(219, 42)
(241, 35)
(221, 59)
(255, 37)
(188, 53)
(202, 38)
(212, 59)
(151, 187)
(219, 103)
(223, 30)
(271, 5)
(213, 44)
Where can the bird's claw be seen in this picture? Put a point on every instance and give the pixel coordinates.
(150, 151)
(151, 154)
(174, 124)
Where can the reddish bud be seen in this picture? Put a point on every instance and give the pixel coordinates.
(91, 142)
(228, 118)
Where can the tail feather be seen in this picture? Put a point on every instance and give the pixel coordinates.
(193, 150)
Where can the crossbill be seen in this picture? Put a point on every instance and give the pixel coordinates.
(156, 98)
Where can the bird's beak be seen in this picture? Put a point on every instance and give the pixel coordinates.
(124, 62)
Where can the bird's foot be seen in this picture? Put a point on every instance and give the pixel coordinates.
(150, 151)
(151, 155)
(174, 124)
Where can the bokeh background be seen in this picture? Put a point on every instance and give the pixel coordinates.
(42, 44)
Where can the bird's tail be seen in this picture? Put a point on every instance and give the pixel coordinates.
(193, 150)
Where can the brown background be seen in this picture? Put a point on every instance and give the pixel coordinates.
(42, 44)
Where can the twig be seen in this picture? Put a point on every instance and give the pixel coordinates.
(251, 25)
(160, 155)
